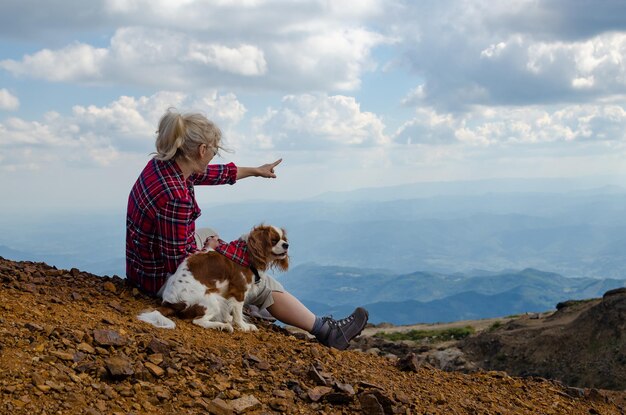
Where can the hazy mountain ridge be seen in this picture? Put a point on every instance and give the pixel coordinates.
(442, 230)
(430, 297)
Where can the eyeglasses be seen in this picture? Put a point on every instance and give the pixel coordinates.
(210, 148)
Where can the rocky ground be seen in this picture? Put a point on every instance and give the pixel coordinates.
(70, 343)
(583, 344)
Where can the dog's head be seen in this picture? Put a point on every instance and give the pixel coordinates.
(267, 247)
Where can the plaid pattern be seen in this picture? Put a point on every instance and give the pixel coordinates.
(236, 251)
(160, 220)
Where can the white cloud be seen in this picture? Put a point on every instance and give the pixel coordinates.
(303, 46)
(481, 53)
(76, 62)
(244, 60)
(8, 101)
(415, 96)
(318, 122)
(516, 125)
(102, 135)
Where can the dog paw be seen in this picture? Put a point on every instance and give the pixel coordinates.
(248, 327)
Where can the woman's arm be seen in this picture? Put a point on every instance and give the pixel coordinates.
(266, 170)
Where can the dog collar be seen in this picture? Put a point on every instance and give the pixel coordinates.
(257, 277)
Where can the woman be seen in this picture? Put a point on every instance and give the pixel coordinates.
(162, 209)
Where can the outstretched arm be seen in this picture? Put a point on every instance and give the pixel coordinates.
(266, 170)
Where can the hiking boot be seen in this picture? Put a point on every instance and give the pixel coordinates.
(338, 333)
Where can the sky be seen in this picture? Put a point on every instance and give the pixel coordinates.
(350, 94)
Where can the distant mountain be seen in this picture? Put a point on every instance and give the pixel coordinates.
(423, 297)
(577, 233)
(475, 187)
(7, 252)
(565, 226)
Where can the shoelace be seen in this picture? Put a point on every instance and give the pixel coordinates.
(338, 323)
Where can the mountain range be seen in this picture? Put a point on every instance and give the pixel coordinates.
(418, 245)
(423, 297)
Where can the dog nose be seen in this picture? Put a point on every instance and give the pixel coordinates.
(285, 245)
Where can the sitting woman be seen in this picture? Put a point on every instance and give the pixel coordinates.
(161, 215)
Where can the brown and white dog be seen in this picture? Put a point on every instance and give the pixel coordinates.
(209, 288)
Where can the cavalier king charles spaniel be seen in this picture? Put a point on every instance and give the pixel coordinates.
(209, 286)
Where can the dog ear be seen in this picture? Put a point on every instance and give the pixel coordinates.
(259, 246)
(282, 264)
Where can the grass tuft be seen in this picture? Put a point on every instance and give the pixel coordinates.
(432, 336)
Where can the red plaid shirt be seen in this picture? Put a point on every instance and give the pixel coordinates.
(160, 220)
(235, 251)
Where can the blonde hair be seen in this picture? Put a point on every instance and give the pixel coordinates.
(180, 135)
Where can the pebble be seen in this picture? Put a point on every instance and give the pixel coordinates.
(154, 369)
(316, 393)
(119, 366)
(370, 405)
(106, 337)
(219, 407)
(87, 348)
(245, 404)
(109, 286)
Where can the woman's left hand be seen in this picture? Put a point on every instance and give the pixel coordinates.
(267, 170)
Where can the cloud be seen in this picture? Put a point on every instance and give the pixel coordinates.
(563, 19)
(517, 125)
(304, 46)
(8, 101)
(318, 122)
(76, 62)
(471, 53)
(100, 135)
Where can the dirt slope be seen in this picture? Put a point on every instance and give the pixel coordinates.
(582, 344)
(70, 344)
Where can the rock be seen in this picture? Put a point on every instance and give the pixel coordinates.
(37, 379)
(370, 405)
(119, 367)
(258, 363)
(232, 394)
(368, 385)
(218, 407)
(87, 348)
(316, 376)
(280, 405)
(409, 363)
(345, 388)
(117, 306)
(338, 398)
(33, 327)
(158, 346)
(63, 355)
(318, 392)
(402, 397)
(154, 369)
(384, 401)
(448, 359)
(108, 338)
(109, 286)
(156, 358)
(245, 404)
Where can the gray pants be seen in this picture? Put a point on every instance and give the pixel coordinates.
(261, 294)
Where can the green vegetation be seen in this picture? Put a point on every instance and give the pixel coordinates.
(496, 324)
(432, 336)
